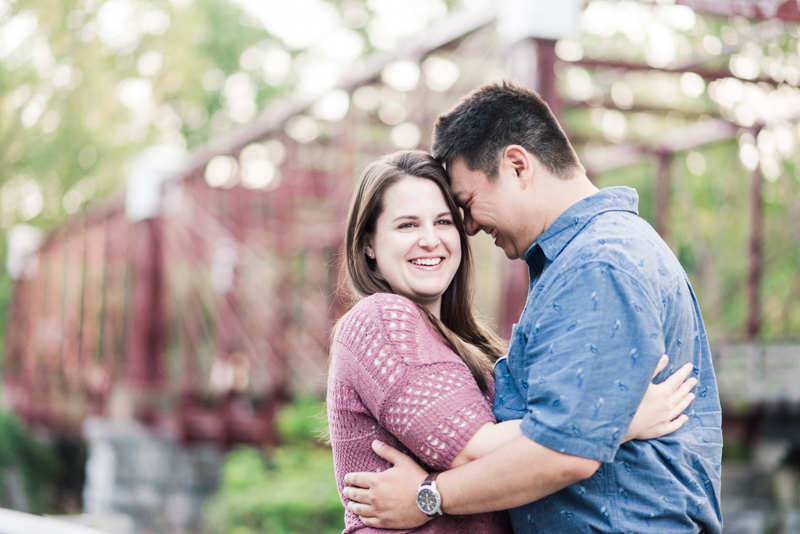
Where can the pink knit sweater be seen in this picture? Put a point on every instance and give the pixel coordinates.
(393, 379)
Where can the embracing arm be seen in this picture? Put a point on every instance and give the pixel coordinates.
(659, 414)
(489, 437)
(518, 472)
(387, 499)
(502, 479)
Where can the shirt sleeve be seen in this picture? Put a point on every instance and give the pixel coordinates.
(417, 388)
(589, 360)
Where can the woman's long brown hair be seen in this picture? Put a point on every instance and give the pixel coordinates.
(477, 345)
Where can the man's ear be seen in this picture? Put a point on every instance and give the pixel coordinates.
(519, 161)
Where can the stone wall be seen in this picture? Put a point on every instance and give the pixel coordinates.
(160, 483)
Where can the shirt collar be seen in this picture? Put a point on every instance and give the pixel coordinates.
(560, 233)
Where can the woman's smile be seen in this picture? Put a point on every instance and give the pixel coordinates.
(427, 262)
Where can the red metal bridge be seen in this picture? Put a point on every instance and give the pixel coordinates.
(204, 315)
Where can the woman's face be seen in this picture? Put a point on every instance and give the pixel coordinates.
(416, 243)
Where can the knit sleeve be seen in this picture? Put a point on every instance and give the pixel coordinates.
(413, 384)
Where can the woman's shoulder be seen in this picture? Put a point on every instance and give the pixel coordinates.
(376, 313)
(384, 306)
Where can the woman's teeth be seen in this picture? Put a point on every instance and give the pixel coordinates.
(427, 261)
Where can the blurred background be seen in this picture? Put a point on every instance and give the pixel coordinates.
(174, 176)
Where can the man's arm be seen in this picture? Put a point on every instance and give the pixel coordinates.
(519, 472)
(386, 499)
(488, 438)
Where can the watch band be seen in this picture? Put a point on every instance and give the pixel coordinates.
(427, 493)
(430, 478)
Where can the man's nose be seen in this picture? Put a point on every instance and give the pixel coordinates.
(469, 224)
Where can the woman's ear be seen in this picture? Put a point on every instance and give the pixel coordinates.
(369, 251)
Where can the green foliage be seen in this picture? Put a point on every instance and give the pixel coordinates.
(288, 490)
(36, 462)
(303, 421)
(734, 450)
(76, 102)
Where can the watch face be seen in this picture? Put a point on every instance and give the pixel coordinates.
(428, 501)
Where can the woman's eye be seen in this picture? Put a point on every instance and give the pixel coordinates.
(406, 225)
(445, 222)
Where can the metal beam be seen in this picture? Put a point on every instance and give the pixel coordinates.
(752, 9)
(663, 194)
(756, 259)
(706, 73)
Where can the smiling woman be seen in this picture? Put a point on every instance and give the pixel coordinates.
(410, 364)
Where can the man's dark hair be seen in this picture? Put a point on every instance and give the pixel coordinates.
(479, 127)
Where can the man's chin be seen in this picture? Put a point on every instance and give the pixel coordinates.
(511, 254)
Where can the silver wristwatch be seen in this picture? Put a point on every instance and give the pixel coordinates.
(429, 499)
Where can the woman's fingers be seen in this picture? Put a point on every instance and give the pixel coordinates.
(675, 424)
(662, 364)
(684, 388)
(679, 377)
(681, 406)
(682, 397)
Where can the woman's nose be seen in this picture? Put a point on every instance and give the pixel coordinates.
(428, 238)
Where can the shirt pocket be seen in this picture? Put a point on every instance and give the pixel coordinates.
(508, 402)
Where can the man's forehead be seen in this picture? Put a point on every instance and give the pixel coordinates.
(459, 191)
(462, 180)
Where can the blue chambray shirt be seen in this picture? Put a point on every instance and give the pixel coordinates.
(607, 298)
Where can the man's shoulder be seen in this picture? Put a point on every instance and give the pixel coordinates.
(626, 242)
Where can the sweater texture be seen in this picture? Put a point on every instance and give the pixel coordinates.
(392, 378)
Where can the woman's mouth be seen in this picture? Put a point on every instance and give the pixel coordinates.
(428, 262)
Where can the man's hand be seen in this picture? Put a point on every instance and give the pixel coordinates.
(387, 499)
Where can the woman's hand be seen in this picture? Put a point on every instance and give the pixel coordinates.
(659, 413)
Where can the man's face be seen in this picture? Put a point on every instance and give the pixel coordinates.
(490, 206)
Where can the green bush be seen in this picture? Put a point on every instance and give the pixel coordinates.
(302, 421)
(36, 462)
(288, 490)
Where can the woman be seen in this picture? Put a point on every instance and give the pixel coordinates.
(411, 366)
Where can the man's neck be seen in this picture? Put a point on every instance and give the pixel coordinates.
(562, 194)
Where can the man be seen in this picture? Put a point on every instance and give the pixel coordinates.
(607, 297)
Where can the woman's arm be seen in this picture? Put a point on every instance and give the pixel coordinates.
(659, 414)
